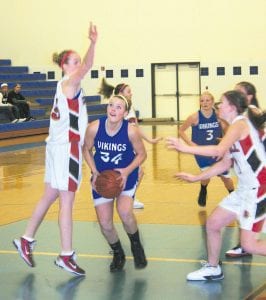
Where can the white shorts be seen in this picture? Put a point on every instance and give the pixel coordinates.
(102, 200)
(62, 170)
(244, 204)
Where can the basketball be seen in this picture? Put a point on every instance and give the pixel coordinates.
(107, 184)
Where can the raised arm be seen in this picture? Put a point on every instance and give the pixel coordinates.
(87, 61)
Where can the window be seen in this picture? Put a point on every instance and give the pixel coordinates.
(139, 73)
(253, 70)
(220, 71)
(124, 73)
(50, 75)
(236, 70)
(204, 71)
(109, 73)
(94, 74)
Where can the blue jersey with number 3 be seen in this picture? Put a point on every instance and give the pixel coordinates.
(114, 152)
(206, 132)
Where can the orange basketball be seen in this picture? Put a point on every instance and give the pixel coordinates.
(107, 184)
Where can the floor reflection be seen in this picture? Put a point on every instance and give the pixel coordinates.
(26, 290)
(207, 289)
(69, 289)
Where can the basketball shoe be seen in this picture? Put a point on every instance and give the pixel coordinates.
(137, 204)
(118, 261)
(207, 272)
(237, 252)
(68, 263)
(25, 249)
(140, 260)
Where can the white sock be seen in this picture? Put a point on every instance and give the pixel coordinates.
(28, 238)
(67, 253)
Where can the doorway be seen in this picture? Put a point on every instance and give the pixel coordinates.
(175, 89)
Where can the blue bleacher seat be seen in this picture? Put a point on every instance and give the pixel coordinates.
(36, 87)
(38, 93)
(45, 101)
(36, 84)
(21, 77)
(94, 98)
(38, 112)
(96, 107)
(11, 70)
(5, 62)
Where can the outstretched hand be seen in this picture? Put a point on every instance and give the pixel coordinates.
(156, 140)
(93, 33)
(186, 177)
(175, 143)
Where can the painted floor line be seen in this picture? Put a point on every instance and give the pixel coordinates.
(159, 259)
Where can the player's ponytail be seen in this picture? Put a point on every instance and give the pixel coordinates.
(257, 117)
(106, 90)
(61, 58)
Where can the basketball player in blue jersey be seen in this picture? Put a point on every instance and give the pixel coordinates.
(206, 130)
(106, 90)
(112, 143)
(63, 161)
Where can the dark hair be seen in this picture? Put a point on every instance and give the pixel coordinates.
(119, 88)
(250, 90)
(216, 105)
(107, 89)
(238, 99)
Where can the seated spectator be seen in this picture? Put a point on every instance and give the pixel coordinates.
(17, 99)
(9, 112)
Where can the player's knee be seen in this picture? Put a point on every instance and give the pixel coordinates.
(106, 226)
(125, 215)
(212, 224)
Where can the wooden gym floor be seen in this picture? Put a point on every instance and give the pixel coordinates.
(171, 226)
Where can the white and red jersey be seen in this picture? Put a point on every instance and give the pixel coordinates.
(131, 116)
(68, 119)
(68, 123)
(249, 158)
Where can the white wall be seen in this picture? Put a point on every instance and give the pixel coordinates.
(135, 33)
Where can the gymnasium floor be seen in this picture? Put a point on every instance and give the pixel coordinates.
(171, 225)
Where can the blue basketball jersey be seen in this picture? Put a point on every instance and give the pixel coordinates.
(114, 152)
(206, 132)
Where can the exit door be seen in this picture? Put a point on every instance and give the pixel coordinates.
(175, 90)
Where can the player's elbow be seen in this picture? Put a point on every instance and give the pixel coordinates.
(143, 156)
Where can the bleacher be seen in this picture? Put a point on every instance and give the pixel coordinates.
(40, 92)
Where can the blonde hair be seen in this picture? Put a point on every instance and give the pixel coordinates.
(206, 93)
(127, 101)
